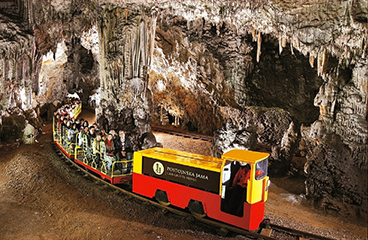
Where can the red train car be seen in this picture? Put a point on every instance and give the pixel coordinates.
(205, 185)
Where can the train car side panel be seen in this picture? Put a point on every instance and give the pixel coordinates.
(180, 196)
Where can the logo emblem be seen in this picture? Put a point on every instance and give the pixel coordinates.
(158, 168)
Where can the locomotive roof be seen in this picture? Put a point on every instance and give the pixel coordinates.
(245, 156)
(185, 158)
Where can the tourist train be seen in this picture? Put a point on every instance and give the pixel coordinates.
(232, 189)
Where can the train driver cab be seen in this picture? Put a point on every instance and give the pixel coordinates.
(244, 181)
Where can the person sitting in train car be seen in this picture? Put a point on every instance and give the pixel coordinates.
(103, 134)
(73, 133)
(242, 176)
(60, 122)
(81, 136)
(126, 150)
(87, 142)
(64, 130)
(96, 147)
(110, 148)
(238, 189)
(92, 132)
(56, 121)
(95, 125)
(72, 119)
(77, 122)
(116, 139)
(81, 122)
(85, 124)
(125, 146)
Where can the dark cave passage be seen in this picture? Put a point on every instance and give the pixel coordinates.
(285, 81)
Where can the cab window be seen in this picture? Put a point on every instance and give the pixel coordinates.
(261, 169)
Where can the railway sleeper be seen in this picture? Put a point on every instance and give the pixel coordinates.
(223, 232)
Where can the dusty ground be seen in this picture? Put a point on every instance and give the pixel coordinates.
(41, 198)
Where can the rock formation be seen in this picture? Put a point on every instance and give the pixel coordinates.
(288, 77)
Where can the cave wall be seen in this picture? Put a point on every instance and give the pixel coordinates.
(37, 65)
(17, 65)
(126, 36)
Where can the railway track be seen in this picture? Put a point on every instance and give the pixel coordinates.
(181, 133)
(272, 233)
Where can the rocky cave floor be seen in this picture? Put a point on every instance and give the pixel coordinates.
(41, 198)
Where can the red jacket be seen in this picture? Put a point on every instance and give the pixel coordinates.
(241, 178)
(110, 148)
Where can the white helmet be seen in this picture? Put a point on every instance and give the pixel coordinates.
(243, 164)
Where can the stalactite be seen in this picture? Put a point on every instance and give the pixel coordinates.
(12, 68)
(151, 41)
(291, 48)
(254, 34)
(322, 62)
(284, 41)
(280, 45)
(142, 46)
(6, 69)
(311, 61)
(364, 47)
(19, 71)
(2, 75)
(259, 43)
(24, 70)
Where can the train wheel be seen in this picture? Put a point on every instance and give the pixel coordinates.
(196, 208)
(161, 197)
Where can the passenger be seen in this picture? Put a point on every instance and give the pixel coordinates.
(97, 149)
(115, 138)
(56, 122)
(73, 133)
(125, 146)
(126, 151)
(85, 124)
(81, 122)
(64, 130)
(238, 189)
(92, 132)
(242, 176)
(103, 134)
(77, 121)
(81, 136)
(87, 143)
(110, 148)
(95, 125)
(60, 122)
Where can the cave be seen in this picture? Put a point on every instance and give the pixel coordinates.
(289, 78)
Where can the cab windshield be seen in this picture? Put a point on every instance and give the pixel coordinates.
(261, 169)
